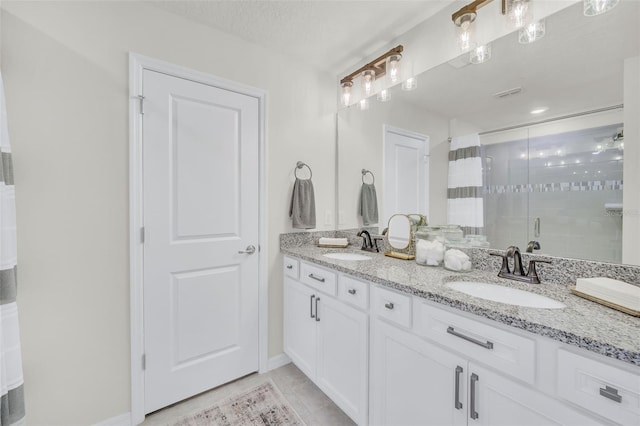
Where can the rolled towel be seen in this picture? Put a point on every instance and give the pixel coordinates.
(326, 241)
(457, 260)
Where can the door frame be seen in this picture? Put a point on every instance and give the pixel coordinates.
(137, 64)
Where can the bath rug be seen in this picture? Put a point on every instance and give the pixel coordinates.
(263, 405)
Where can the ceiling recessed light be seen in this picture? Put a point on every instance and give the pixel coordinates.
(539, 110)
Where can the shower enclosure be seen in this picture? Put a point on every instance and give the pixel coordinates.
(563, 190)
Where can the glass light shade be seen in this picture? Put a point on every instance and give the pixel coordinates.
(410, 84)
(597, 7)
(465, 35)
(518, 12)
(368, 79)
(346, 93)
(531, 32)
(393, 68)
(363, 104)
(384, 95)
(480, 54)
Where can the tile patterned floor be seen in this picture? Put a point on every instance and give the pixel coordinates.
(313, 406)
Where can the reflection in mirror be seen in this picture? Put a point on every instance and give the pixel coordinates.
(399, 233)
(583, 79)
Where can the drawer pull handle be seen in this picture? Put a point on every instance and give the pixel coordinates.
(352, 291)
(487, 344)
(457, 403)
(313, 296)
(289, 266)
(313, 277)
(317, 314)
(388, 305)
(611, 393)
(472, 408)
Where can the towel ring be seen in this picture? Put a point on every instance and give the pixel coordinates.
(364, 173)
(300, 165)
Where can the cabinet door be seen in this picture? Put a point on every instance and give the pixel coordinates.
(495, 400)
(414, 382)
(300, 325)
(342, 369)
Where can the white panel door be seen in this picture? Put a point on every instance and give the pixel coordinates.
(406, 172)
(201, 208)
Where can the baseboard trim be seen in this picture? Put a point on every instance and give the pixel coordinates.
(121, 420)
(278, 361)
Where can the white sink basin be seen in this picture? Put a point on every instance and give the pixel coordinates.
(347, 256)
(507, 295)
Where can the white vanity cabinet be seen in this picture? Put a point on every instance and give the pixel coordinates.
(328, 339)
(389, 358)
(415, 381)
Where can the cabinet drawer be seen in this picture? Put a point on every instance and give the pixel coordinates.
(291, 267)
(599, 387)
(353, 291)
(507, 352)
(392, 306)
(318, 278)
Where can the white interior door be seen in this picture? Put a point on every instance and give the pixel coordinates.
(406, 173)
(201, 210)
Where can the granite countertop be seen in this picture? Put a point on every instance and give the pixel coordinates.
(582, 323)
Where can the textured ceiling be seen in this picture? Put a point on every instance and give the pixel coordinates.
(331, 35)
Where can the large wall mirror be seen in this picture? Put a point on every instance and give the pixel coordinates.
(555, 177)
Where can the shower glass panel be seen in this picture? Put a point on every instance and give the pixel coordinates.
(506, 199)
(562, 190)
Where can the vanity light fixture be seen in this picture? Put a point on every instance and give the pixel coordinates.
(410, 84)
(386, 64)
(367, 79)
(598, 7)
(480, 54)
(384, 95)
(464, 19)
(532, 32)
(346, 93)
(518, 12)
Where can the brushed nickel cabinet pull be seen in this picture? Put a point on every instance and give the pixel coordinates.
(487, 344)
(313, 277)
(388, 305)
(352, 291)
(472, 396)
(457, 404)
(611, 393)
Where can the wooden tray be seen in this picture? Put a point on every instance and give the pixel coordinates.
(604, 302)
(397, 255)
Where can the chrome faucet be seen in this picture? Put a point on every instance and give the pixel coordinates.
(368, 243)
(533, 245)
(518, 272)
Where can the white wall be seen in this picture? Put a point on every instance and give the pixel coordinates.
(65, 66)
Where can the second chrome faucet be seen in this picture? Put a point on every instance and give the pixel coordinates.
(518, 273)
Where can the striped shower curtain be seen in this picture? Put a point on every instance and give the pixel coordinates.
(11, 381)
(464, 204)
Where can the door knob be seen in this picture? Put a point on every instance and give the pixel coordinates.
(249, 250)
